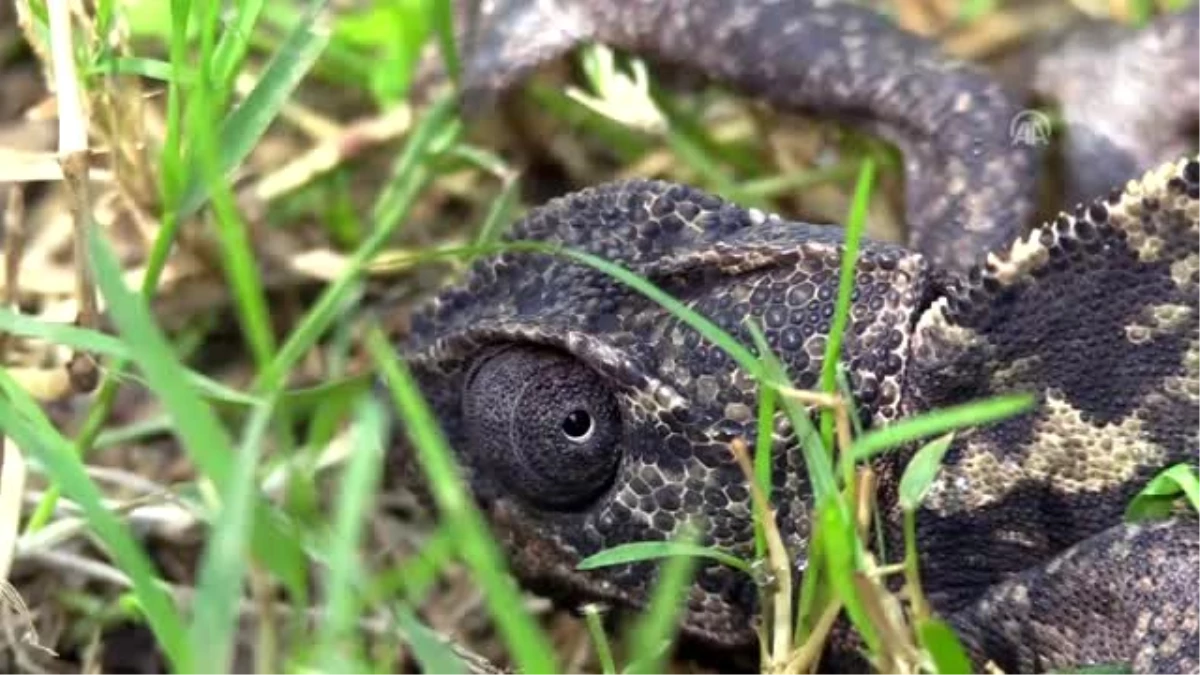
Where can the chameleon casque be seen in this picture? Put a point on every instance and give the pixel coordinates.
(585, 416)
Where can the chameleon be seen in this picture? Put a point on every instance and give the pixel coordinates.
(585, 415)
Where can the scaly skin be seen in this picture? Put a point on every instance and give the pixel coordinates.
(969, 187)
(1095, 313)
(971, 182)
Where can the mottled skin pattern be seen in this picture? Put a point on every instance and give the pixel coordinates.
(680, 400)
(1022, 542)
(969, 188)
(1095, 313)
(1138, 605)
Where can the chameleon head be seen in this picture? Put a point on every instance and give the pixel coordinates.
(585, 415)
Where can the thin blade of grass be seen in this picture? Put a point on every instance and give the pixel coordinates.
(238, 260)
(173, 175)
(358, 488)
(626, 144)
(1158, 498)
(152, 69)
(98, 343)
(1100, 669)
(847, 394)
(604, 654)
(85, 339)
(701, 324)
(641, 551)
(944, 648)
(921, 470)
(763, 454)
(812, 591)
(430, 651)
(411, 175)
(441, 14)
(817, 459)
(246, 124)
(840, 549)
(530, 648)
(687, 140)
(197, 426)
(416, 575)
(855, 224)
(204, 438)
(940, 421)
(500, 212)
(234, 44)
(650, 637)
(223, 567)
(22, 420)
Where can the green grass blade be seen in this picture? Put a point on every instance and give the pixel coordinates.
(701, 324)
(944, 648)
(247, 123)
(817, 460)
(500, 212)
(203, 437)
(412, 175)
(236, 249)
(812, 590)
(234, 44)
(847, 394)
(604, 655)
(840, 543)
(530, 648)
(219, 584)
(416, 575)
(431, 653)
(707, 329)
(1158, 498)
(650, 637)
(152, 69)
(85, 339)
(173, 174)
(939, 422)
(921, 470)
(355, 495)
(764, 456)
(101, 344)
(34, 434)
(442, 20)
(641, 551)
(855, 224)
(198, 428)
(626, 144)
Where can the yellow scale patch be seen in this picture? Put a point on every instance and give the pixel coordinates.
(1072, 455)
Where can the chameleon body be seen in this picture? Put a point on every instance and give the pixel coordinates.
(586, 416)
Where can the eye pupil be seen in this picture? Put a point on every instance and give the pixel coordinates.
(577, 425)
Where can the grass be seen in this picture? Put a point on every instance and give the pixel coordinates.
(284, 477)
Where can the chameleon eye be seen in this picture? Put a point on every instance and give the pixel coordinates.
(544, 423)
(577, 426)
